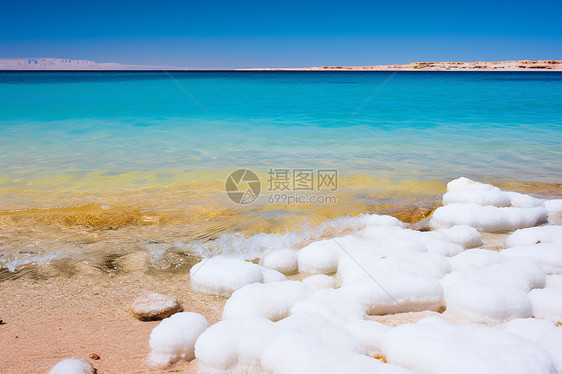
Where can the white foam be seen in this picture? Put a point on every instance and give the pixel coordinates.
(174, 339)
(371, 334)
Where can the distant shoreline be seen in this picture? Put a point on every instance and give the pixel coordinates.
(56, 64)
(519, 65)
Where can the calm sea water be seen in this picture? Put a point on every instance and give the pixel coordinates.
(428, 124)
(151, 151)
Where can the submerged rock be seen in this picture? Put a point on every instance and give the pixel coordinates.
(155, 306)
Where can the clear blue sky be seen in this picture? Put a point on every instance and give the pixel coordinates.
(230, 34)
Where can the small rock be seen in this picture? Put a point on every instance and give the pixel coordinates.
(72, 366)
(155, 306)
(94, 356)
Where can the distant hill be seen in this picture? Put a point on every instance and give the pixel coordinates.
(68, 64)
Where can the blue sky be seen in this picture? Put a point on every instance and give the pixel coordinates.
(231, 34)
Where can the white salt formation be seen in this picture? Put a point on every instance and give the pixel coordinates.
(282, 260)
(272, 301)
(222, 276)
(174, 339)
(503, 305)
(487, 208)
(421, 347)
(72, 366)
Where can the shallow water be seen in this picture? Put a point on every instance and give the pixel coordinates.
(97, 164)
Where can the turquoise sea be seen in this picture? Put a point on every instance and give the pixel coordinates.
(157, 147)
(429, 124)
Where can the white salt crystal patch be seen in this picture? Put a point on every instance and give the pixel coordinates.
(466, 236)
(548, 255)
(547, 303)
(174, 339)
(554, 207)
(370, 333)
(72, 366)
(332, 305)
(270, 275)
(520, 200)
(309, 356)
(395, 293)
(283, 260)
(321, 328)
(360, 263)
(490, 266)
(441, 247)
(458, 184)
(534, 235)
(530, 328)
(478, 193)
(552, 342)
(319, 281)
(272, 300)
(474, 259)
(487, 218)
(296, 353)
(222, 276)
(554, 280)
(320, 257)
(377, 220)
(234, 345)
(434, 346)
(486, 302)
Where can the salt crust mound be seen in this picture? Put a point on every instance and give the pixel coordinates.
(434, 346)
(301, 343)
(296, 353)
(490, 287)
(534, 235)
(547, 303)
(548, 255)
(319, 281)
(395, 293)
(223, 275)
(272, 300)
(72, 366)
(554, 207)
(487, 218)
(282, 260)
(530, 328)
(552, 342)
(331, 304)
(174, 339)
(487, 208)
